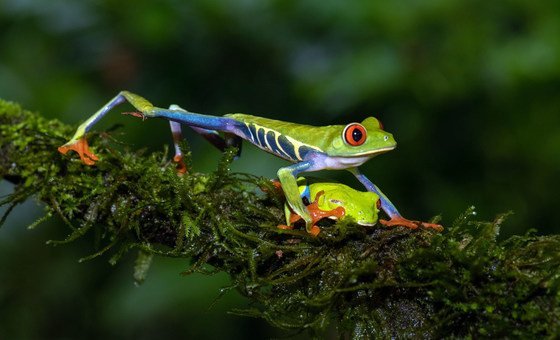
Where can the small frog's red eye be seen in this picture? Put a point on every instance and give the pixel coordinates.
(378, 204)
(380, 125)
(354, 134)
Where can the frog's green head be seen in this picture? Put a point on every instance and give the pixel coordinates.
(365, 139)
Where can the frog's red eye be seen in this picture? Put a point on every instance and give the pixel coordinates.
(380, 125)
(378, 204)
(354, 134)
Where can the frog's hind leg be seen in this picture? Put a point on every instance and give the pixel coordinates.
(78, 142)
(220, 142)
(177, 138)
(210, 135)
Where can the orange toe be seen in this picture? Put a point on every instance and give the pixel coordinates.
(181, 167)
(285, 227)
(276, 184)
(314, 230)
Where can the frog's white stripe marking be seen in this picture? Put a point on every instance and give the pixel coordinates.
(266, 139)
(250, 132)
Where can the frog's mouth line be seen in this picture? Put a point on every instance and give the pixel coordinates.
(374, 152)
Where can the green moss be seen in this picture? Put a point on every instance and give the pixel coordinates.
(366, 282)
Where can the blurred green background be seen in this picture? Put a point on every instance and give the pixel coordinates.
(470, 89)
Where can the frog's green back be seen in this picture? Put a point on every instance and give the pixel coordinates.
(293, 141)
(315, 137)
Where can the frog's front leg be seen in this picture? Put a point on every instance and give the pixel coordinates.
(287, 177)
(395, 218)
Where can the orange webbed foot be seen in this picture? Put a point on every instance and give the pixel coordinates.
(82, 148)
(401, 221)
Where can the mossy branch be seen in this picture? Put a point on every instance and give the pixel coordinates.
(366, 282)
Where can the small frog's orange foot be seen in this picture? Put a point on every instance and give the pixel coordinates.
(285, 227)
(314, 231)
(277, 187)
(181, 167)
(401, 221)
(276, 184)
(317, 214)
(82, 148)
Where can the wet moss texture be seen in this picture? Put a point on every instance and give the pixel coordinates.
(363, 282)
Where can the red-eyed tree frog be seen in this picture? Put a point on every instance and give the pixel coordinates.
(334, 201)
(310, 148)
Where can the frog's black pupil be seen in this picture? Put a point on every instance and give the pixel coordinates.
(357, 135)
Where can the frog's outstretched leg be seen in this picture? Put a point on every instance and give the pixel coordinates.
(146, 109)
(389, 208)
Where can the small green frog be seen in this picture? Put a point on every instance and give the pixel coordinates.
(335, 201)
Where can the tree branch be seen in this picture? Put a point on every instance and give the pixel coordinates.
(365, 281)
